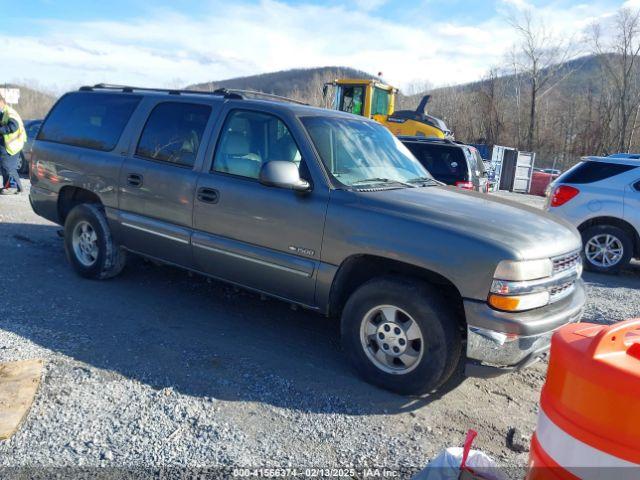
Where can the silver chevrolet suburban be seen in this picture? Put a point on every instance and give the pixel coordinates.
(319, 208)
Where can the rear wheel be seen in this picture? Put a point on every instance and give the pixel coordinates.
(88, 243)
(22, 166)
(606, 249)
(400, 336)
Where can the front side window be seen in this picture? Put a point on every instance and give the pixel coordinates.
(250, 139)
(380, 102)
(361, 152)
(89, 119)
(173, 133)
(352, 99)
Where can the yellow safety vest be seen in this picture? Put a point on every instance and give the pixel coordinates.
(13, 142)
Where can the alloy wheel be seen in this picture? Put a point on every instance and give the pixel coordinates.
(604, 250)
(85, 243)
(391, 339)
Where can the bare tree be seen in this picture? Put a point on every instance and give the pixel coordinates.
(539, 58)
(619, 60)
(491, 100)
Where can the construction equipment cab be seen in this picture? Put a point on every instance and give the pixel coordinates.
(376, 100)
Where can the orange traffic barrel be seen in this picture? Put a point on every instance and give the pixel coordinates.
(589, 420)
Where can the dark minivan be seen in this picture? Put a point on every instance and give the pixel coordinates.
(450, 162)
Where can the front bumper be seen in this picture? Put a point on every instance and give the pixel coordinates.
(499, 342)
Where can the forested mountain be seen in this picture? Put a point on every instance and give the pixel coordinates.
(301, 83)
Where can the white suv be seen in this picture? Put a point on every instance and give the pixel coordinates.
(601, 197)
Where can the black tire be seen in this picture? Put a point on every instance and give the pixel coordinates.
(621, 235)
(23, 165)
(110, 258)
(437, 322)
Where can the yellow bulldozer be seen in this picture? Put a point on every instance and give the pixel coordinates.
(374, 99)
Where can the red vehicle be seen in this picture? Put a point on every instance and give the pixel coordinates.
(540, 181)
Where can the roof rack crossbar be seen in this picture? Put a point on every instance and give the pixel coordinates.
(262, 94)
(230, 93)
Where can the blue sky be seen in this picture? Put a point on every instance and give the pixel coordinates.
(62, 44)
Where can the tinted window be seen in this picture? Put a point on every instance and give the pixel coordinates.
(447, 164)
(173, 133)
(250, 139)
(90, 120)
(588, 172)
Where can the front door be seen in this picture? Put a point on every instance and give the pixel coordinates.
(157, 183)
(265, 238)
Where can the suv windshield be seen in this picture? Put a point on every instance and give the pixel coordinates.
(362, 152)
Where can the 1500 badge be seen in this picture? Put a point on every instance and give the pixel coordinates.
(302, 251)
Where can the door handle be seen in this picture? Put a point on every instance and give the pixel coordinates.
(134, 180)
(208, 195)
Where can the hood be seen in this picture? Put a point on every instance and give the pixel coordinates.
(527, 232)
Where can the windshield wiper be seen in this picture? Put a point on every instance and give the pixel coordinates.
(430, 180)
(382, 180)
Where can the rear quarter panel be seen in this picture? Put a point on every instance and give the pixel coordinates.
(598, 199)
(632, 200)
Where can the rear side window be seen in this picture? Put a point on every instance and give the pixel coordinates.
(173, 133)
(475, 160)
(90, 120)
(447, 164)
(589, 172)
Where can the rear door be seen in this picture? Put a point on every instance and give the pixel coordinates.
(158, 180)
(524, 171)
(261, 237)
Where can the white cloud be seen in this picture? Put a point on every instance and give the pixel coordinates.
(167, 47)
(518, 4)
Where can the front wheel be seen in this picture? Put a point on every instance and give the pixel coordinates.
(606, 249)
(400, 336)
(90, 248)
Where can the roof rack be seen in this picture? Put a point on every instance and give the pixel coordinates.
(230, 93)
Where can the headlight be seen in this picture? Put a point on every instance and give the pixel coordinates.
(519, 270)
(518, 303)
(521, 285)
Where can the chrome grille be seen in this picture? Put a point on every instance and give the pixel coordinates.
(563, 265)
(566, 262)
(560, 291)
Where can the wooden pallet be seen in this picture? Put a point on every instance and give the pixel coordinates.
(19, 383)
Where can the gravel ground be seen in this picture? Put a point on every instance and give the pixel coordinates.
(159, 369)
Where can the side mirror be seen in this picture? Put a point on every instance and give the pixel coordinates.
(283, 174)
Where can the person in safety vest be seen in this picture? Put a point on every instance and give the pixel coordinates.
(12, 139)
